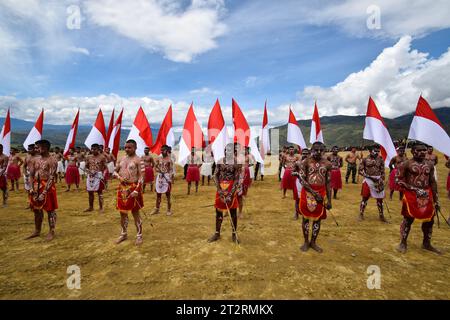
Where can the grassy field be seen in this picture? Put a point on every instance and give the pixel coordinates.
(176, 262)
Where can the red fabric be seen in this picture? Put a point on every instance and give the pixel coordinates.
(308, 206)
(422, 210)
(106, 174)
(247, 178)
(336, 179)
(392, 185)
(149, 175)
(126, 203)
(72, 175)
(448, 182)
(3, 182)
(220, 204)
(193, 174)
(288, 180)
(365, 190)
(50, 202)
(13, 172)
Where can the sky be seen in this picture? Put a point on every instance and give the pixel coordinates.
(63, 55)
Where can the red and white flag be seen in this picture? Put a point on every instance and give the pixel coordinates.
(72, 136)
(110, 128)
(294, 133)
(375, 129)
(316, 130)
(242, 132)
(5, 135)
(165, 133)
(98, 132)
(264, 142)
(114, 141)
(427, 128)
(192, 136)
(217, 132)
(35, 132)
(141, 132)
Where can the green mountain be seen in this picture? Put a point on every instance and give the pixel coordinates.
(346, 131)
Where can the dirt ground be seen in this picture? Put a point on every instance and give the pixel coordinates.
(176, 262)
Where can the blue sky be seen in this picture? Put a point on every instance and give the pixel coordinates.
(289, 52)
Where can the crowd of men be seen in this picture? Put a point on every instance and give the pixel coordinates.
(313, 176)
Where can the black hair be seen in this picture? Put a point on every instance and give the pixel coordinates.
(132, 142)
(44, 143)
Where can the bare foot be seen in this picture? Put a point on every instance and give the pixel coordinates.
(101, 210)
(383, 219)
(138, 241)
(361, 217)
(122, 238)
(429, 247)
(401, 247)
(33, 235)
(296, 216)
(241, 215)
(214, 237)
(304, 247)
(315, 247)
(155, 211)
(67, 190)
(50, 236)
(169, 213)
(89, 210)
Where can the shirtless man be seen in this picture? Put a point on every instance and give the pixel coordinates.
(351, 160)
(393, 167)
(246, 179)
(372, 169)
(432, 159)
(27, 164)
(129, 193)
(60, 158)
(43, 194)
(420, 201)
(288, 163)
(72, 172)
(226, 178)
(280, 161)
(336, 178)
(194, 163)
(298, 185)
(315, 198)
(81, 160)
(3, 181)
(13, 172)
(148, 165)
(95, 181)
(164, 175)
(110, 165)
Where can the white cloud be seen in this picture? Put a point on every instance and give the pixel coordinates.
(163, 26)
(79, 50)
(205, 91)
(394, 79)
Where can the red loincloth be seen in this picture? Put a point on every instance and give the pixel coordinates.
(393, 186)
(365, 191)
(448, 182)
(308, 205)
(50, 202)
(336, 179)
(247, 181)
(422, 210)
(126, 203)
(288, 180)
(72, 175)
(220, 204)
(3, 183)
(13, 172)
(193, 174)
(149, 175)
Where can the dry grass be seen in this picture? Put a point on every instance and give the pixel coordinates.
(176, 262)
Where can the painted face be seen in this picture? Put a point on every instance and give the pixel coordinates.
(42, 149)
(335, 151)
(374, 152)
(305, 154)
(94, 151)
(317, 151)
(419, 152)
(146, 151)
(401, 152)
(130, 149)
(291, 151)
(430, 150)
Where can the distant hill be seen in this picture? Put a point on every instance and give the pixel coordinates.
(337, 130)
(348, 130)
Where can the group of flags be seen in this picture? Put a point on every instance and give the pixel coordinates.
(425, 127)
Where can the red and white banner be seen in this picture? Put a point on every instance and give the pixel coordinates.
(5, 135)
(242, 132)
(427, 128)
(294, 133)
(375, 129)
(141, 132)
(97, 134)
(165, 134)
(110, 128)
(114, 141)
(192, 136)
(264, 142)
(36, 132)
(72, 136)
(217, 132)
(316, 130)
